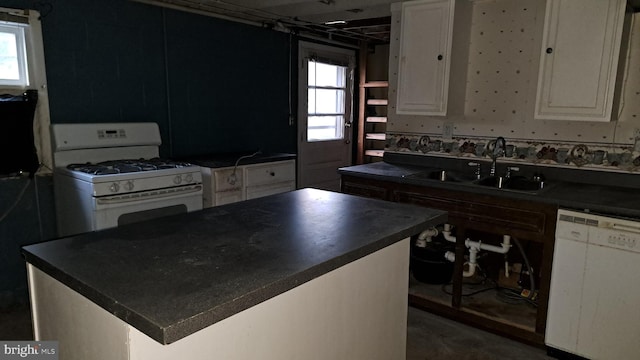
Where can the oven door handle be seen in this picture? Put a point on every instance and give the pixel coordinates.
(149, 195)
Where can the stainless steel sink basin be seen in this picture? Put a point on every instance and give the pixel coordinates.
(443, 175)
(517, 183)
(512, 183)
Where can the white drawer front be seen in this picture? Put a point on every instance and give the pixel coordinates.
(226, 180)
(271, 189)
(270, 173)
(228, 197)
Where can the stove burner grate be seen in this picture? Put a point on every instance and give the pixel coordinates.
(127, 166)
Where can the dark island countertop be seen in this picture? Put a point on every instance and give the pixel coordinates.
(173, 276)
(594, 191)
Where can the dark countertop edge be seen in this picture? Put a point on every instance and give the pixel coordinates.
(105, 302)
(215, 161)
(551, 195)
(170, 334)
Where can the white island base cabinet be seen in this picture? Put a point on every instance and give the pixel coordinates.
(357, 311)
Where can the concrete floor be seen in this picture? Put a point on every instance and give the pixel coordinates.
(428, 337)
(15, 323)
(433, 337)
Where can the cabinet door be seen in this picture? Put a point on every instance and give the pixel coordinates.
(579, 59)
(228, 186)
(425, 48)
(270, 173)
(565, 292)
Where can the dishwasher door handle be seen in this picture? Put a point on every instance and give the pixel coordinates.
(627, 228)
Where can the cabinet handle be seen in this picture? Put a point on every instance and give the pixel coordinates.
(440, 57)
(549, 50)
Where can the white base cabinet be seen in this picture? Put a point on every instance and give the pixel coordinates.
(579, 59)
(232, 184)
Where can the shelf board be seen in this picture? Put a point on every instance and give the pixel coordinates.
(376, 136)
(376, 84)
(377, 119)
(377, 102)
(376, 153)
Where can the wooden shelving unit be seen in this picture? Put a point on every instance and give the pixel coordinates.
(372, 117)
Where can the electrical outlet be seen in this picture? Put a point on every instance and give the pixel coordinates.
(447, 131)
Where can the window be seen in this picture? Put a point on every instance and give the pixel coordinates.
(13, 58)
(327, 90)
(22, 71)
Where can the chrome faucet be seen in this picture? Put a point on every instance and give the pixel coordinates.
(511, 169)
(499, 146)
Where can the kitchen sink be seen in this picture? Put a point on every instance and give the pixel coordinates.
(511, 183)
(443, 175)
(518, 183)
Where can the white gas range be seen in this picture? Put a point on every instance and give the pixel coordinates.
(109, 174)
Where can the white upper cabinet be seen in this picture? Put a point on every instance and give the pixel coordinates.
(424, 57)
(579, 59)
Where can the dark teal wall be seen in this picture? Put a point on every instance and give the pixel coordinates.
(228, 82)
(27, 206)
(211, 85)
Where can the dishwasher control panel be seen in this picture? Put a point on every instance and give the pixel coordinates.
(614, 238)
(600, 230)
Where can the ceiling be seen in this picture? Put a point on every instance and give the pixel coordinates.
(366, 20)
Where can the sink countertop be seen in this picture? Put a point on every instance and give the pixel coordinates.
(172, 276)
(598, 198)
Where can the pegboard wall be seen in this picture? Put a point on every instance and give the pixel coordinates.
(501, 73)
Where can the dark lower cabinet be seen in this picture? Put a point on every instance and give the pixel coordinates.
(493, 299)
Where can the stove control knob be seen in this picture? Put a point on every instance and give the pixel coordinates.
(177, 180)
(188, 178)
(129, 185)
(114, 187)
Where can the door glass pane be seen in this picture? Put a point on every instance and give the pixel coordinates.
(326, 101)
(321, 74)
(321, 128)
(326, 96)
(9, 69)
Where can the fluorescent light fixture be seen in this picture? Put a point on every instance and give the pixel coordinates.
(335, 22)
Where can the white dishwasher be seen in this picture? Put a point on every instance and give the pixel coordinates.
(595, 287)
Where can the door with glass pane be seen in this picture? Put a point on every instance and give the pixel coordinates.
(324, 114)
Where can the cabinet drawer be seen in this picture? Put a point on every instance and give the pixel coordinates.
(361, 187)
(228, 197)
(225, 179)
(269, 189)
(500, 217)
(270, 173)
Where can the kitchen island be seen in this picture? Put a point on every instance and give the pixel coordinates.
(308, 274)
